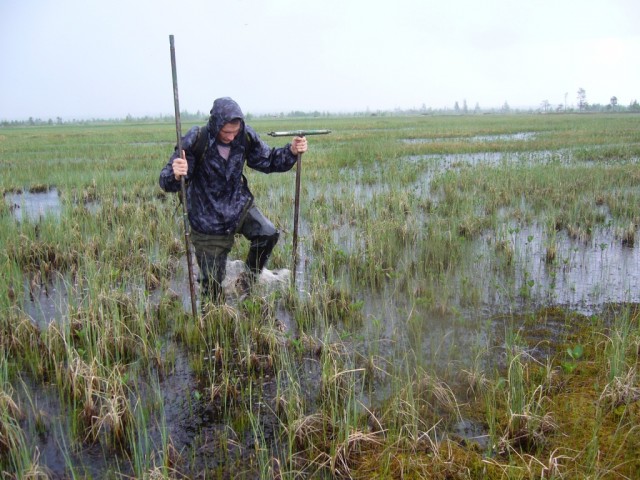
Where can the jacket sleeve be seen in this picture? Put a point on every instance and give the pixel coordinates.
(168, 181)
(265, 159)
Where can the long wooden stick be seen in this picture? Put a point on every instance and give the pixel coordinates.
(297, 133)
(296, 212)
(183, 190)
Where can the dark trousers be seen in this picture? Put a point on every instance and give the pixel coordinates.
(212, 250)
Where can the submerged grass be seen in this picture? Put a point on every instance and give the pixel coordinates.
(386, 351)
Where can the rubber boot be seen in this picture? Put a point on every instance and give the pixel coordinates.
(212, 273)
(259, 253)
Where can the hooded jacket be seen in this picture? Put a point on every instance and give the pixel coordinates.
(217, 191)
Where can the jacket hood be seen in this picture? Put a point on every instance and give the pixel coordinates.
(223, 111)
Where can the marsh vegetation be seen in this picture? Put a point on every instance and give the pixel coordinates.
(466, 306)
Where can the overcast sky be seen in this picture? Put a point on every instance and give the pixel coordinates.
(110, 58)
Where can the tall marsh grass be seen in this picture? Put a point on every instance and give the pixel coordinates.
(419, 313)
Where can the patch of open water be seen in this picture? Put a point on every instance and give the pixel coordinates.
(584, 275)
(32, 206)
(505, 137)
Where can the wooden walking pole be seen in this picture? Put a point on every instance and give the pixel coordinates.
(297, 133)
(183, 190)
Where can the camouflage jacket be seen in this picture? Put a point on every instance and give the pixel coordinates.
(217, 191)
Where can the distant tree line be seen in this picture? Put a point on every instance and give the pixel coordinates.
(33, 122)
(545, 107)
(583, 105)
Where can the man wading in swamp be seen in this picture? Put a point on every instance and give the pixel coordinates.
(219, 201)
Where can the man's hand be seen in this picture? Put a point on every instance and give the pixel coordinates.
(180, 166)
(298, 145)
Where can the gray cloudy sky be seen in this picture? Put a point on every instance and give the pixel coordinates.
(107, 59)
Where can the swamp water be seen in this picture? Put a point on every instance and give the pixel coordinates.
(586, 276)
(31, 206)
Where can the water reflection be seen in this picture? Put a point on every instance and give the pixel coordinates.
(505, 137)
(583, 276)
(32, 206)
